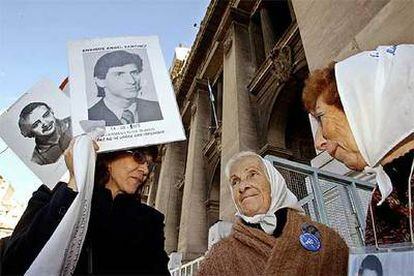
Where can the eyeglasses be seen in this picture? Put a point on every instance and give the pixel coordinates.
(141, 158)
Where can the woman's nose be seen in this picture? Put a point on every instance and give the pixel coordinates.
(243, 185)
(320, 141)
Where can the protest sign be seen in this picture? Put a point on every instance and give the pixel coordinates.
(123, 82)
(394, 261)
(37, 127)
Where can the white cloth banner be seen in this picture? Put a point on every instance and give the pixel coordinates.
(60, 254)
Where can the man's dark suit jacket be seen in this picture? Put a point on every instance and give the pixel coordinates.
(147, 111)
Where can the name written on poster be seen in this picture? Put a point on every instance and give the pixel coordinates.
(129, 131)
(115, 47)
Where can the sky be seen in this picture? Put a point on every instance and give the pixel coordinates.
(33, 45)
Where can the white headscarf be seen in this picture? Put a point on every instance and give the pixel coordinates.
(376, 89)
(281, 196)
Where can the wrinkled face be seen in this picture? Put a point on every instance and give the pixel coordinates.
(251, 189)
(42, 121)
(335, 136)
(127, 175)
(122, 82)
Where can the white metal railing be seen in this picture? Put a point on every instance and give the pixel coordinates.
(335, 200)
(187, 269)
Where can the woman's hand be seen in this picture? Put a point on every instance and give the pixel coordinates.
(69, 163)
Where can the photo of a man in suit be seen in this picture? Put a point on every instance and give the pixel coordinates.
(117, 77)
(52, 136)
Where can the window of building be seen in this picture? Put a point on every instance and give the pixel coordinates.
(267, 25)
(216, 113)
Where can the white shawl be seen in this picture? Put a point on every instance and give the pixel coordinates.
(376, 89)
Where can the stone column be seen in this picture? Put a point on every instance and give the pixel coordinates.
(269, 36)
(238, 130)
(168, 196)
(193, 236)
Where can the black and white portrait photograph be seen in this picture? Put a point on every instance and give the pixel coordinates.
(124, 83)
(38, 129)
(121, 91)
(382, 263)
(51, 135)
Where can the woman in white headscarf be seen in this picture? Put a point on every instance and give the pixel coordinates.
(364, 106)
(271, 235)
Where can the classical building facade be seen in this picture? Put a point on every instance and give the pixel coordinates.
(240, 89)
(251, 56)
(10, 209)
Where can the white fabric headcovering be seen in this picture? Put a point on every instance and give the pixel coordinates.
(376, 89)
(281, 196)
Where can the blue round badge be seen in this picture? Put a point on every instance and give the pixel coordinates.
(310, 242)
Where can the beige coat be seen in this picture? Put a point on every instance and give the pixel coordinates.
(250, 251)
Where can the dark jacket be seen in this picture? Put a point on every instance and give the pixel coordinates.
(147, 111)
(124, 236)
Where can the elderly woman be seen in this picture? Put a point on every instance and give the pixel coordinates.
(124, 236)
(271, 235)
(364, 109)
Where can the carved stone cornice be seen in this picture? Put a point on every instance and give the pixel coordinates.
(176, 73)
(282, 62)
(211, 65)
(277, 67)
(232, 15)
(227, 43)
(269, 149)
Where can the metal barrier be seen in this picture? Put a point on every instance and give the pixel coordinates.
(337, 201)
(187, 269)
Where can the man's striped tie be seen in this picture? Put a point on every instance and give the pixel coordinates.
(127, 117)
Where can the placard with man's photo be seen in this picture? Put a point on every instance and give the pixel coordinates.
(123, 84)
(394, 261)
(38, 129)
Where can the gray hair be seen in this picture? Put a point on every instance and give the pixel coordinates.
(239, 156)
